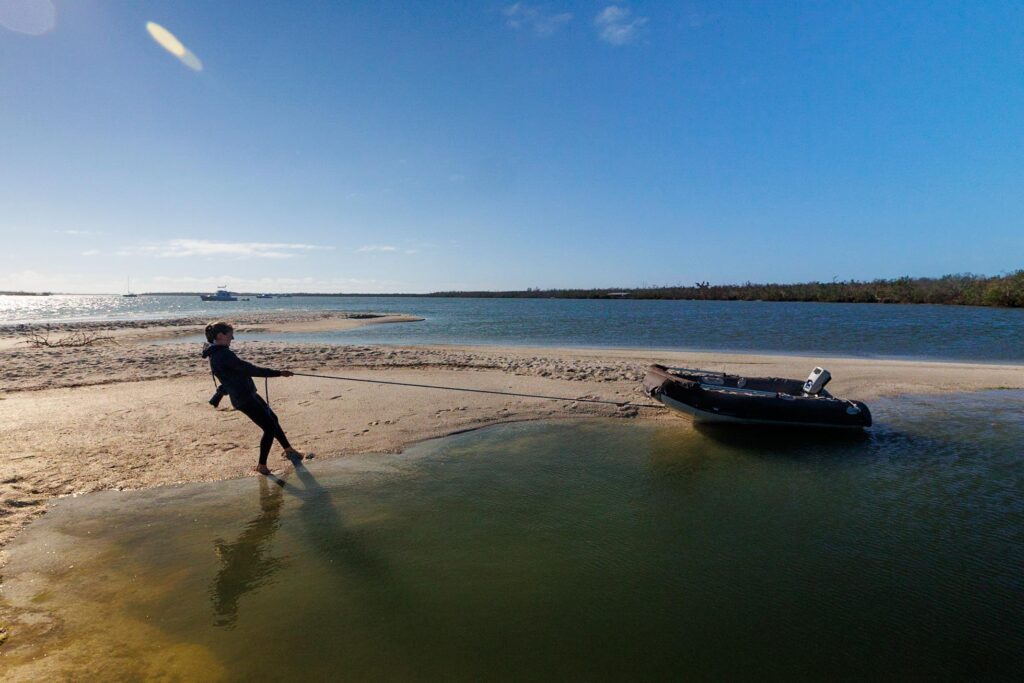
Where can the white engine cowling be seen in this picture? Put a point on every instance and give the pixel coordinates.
(816, 381)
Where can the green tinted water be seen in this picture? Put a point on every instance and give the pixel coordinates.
(599, 550)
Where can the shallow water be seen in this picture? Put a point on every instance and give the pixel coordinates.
(860, 330)
(596, 550)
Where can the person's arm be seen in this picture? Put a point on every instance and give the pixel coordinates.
(242, 367)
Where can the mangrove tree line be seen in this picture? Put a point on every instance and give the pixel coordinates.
(963, 289)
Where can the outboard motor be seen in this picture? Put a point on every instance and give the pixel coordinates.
(816, 381)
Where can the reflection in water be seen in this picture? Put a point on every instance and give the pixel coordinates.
(684, 450)
(678, 451)
(326, 531)
(786, 442)
(246, 564)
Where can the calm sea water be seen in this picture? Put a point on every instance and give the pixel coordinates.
(863, 330)
(554, 551)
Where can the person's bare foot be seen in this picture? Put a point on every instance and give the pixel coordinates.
(261, 469)
(291, 454)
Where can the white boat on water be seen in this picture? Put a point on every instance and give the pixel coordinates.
(221, 295)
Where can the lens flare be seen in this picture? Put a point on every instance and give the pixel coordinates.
(170, 42)
(32, 17)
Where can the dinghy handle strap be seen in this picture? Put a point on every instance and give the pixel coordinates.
(620, 404)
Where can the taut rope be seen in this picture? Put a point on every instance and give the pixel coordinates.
(625, 404)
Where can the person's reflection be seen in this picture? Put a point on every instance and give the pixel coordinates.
(245, 565)
(328, 535)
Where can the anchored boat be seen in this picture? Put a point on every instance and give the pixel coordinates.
(221, 295)
(712, 397)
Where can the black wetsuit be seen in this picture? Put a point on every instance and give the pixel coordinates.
(235, 376)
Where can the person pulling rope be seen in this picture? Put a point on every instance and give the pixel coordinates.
(235, 377)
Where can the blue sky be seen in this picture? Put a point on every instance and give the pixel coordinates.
(421, 146)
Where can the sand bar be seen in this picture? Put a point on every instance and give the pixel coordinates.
(134, 415)
(14, 336)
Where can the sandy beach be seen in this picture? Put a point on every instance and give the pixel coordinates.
(133, 414)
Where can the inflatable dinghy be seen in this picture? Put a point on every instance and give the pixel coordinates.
(716, 397)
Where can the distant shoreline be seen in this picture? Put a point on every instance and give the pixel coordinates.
(1004, 291)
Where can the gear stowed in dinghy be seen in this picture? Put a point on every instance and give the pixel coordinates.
(716, 397)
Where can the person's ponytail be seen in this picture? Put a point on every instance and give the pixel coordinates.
(213, 329)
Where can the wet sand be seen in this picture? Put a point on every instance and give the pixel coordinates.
(134, 414)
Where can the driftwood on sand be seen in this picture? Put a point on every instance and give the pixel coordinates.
(45, 337)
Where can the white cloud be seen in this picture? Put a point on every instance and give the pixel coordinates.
(617, 26)
(182, 248)
(375, 247)
(541, 22)
(31, 18)
(38, 281)
(79, 233)
(91, 252)
(700, 20)
(25, 280)
(275, 284)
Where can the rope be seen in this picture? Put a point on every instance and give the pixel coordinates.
(625, 404)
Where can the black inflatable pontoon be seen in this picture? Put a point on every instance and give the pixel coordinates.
(719, 397)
